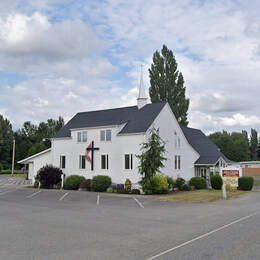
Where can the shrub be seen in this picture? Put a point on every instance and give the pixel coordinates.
(86, 185)
(245, 183)
(159, 184)
(72, 182)
(186, 187)
(136, 191)
(110, 190)
(100, 182)
(49, 176)
(171, 183)
(216, 182)
(198, 182)
(180, 182)
(128, 185)
(146, 186)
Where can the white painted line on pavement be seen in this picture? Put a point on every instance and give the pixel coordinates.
(35, 193)
(63, 196)
(138, 202)
(98, 199)
(202, 236)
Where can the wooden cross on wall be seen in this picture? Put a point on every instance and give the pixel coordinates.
(92, 148)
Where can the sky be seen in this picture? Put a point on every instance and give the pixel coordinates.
(60, 57)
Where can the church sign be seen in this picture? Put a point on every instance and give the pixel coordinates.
(230, 177)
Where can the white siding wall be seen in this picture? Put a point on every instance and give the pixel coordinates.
(38, 162)
(167, 125)
(120, 145)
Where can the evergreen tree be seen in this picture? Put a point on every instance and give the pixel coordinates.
(253, 144)
(6, 142)
(152, 157)
(167, 84)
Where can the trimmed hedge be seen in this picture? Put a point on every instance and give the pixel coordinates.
(179, 183)
(159, 184)
(245, 183)
(216, 182)
(72, 182)
(198, 182)
(100, 182)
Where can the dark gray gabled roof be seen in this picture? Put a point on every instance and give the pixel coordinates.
(208, 151)
(136, 120)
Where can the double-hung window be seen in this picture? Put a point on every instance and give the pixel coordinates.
(62, 161)
(105, 135)
(82, 162)
(104, 161)
(128, 161)
(82, 136)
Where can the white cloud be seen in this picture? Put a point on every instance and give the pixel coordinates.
(34, 35)
(240, 120)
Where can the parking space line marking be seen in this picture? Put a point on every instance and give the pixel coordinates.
(63, 196)
(35, 193)
(138, 202)
(201, 236)
(98, 199)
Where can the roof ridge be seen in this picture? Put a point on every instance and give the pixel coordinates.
(117, 108)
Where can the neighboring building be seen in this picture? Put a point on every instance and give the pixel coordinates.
(107, 141)
(250, 168)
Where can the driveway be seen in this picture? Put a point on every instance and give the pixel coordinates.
(51, 224)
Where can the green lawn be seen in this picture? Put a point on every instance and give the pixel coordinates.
(200, 196)
(20, 175)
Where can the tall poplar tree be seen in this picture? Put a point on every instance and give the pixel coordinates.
(167, 84)
(253, 144)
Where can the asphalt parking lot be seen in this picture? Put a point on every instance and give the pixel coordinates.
(57, 224)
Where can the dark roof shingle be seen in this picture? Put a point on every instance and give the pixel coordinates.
(208, 151)
(136, 120)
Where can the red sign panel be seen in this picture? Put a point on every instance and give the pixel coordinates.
(230, 173)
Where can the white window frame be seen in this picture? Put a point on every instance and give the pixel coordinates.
(177, 162)
(61, 161)
(106, 162)
(130, 161)
(104, 133)
(82, 136)
(81, 162)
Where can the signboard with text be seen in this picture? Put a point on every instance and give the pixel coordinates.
(230, 177)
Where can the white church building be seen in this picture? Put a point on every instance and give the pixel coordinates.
(106, 142)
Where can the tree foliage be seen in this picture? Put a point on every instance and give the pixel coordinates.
(234, 146)
(6, 141)
(253, 144)
(152, 157)
(30, 139)
(167, 84)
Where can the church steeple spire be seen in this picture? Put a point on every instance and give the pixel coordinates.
(142, 98)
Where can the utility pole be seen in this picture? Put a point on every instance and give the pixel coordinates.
(13, 157)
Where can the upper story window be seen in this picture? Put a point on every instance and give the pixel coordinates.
(177, 140)
(82, 136)
(105, 135)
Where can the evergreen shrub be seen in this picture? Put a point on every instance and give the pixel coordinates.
(179, 183)
(72, 182)
(159, 184)
(100, 183)
(216, 182)
(245, 183)
(198, 182)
